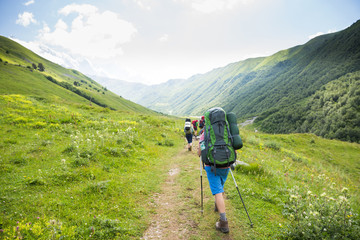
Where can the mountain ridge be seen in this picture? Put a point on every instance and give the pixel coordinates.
(264, 86)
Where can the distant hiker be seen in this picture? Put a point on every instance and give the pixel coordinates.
(189, 130)
(201, 123)
(195, 124)
(217, 154)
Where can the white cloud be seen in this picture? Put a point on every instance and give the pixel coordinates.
(29, 2)
(25, 19)
(142, 5)
(92, 34)
(211, 6)
(84, 9)
(320, 33)
(50, 54)
(164, 38)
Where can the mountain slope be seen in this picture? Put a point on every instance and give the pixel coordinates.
(269, 86)
(19, 76)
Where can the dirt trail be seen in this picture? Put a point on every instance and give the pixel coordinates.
(171, 220)
(177, 206)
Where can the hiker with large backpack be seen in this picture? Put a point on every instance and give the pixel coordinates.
(189, 130)
(217, 154)
(195, 125)
(201, 123)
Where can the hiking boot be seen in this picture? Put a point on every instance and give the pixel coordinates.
(222, 226)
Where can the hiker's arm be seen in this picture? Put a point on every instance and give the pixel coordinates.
(199, 151)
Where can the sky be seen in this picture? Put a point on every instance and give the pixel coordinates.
(152, 41)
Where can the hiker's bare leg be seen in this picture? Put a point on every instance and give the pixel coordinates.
(220, 204)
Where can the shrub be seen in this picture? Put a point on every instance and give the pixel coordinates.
(80, 162)
(272, 145)
(252, 168)
(41, 67)
(166, 143)
(320, 216)
(69, 149)
(21, 161)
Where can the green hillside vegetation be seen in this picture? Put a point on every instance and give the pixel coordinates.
(71, 168)
(270, 86)
(18, 76)
(332, 112)
(69, 171)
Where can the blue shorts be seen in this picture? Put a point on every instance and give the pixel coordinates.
(189, 138)
(217, 182)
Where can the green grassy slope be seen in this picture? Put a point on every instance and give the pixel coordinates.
(76, 171)
(270, 86)
(296, 186)
(18, 76)
(73, 171)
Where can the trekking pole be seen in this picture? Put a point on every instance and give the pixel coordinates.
(251, 224)
(202, 209)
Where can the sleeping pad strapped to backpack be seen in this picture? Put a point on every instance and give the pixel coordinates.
(217, 150)
(234, 130)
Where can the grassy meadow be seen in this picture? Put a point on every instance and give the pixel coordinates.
(71, 169)
(299, 186)
(74, 171)
(78, 171)
(296, 186)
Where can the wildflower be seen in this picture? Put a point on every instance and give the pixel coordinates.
(63, 161)
(280, 225)
(343, 199)
(344, 190)
(309, 224)
(325, 230)
(293, 197)
(323, 194)
(309, 192)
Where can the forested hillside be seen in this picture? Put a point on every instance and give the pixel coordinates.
(281, 88)
(332, 112)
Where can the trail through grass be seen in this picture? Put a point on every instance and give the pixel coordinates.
(79, 172)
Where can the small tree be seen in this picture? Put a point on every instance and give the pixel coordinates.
(41, 67)
(34, 66)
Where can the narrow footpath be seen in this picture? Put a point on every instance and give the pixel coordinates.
(177, 206)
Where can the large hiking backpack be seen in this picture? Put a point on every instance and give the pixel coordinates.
(194, 123)
(202, 122)
(187, 127)
(217, 149)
